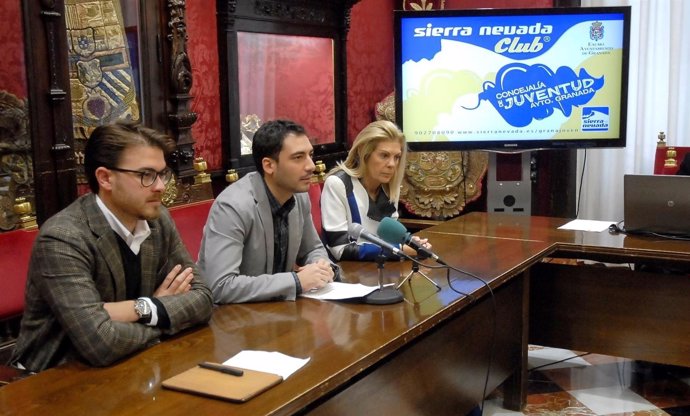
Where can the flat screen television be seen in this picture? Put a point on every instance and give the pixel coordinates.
(510, 79)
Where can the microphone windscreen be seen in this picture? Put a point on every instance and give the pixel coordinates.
(392, 231)
(354, 230)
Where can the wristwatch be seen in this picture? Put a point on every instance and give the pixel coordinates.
(143, 310)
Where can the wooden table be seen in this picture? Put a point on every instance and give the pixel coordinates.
(426, 355)
(364, 358)
(613, 309)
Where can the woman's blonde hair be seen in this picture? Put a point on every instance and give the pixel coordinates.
(365, 144)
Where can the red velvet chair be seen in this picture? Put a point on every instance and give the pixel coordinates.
(190, 220)
(14, 263)
(16, 252)
(315, 199)
(668, 158)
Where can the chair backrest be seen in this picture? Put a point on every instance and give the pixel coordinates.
(190, 220)
(668, 159)
(14, 263)
(315, 199)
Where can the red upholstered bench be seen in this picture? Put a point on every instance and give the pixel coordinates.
(315, 199)
(14, 263)
(190, 220)
(16, 252)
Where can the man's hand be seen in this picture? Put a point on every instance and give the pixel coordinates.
(176, 282)
(315, 275)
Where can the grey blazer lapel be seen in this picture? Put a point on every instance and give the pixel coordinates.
(258, 190)
(295, 229)
(107, 245)
(149, 262)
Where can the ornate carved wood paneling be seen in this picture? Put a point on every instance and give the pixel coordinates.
(316, 18)
(181, 117)
(50, 112)
(166, 77)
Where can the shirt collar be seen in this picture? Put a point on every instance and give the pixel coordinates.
(134, 241)
(276, 208)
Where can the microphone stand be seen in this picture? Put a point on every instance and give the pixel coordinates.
(384, 295)
(415, 270)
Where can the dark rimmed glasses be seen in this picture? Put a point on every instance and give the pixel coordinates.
(148, 176)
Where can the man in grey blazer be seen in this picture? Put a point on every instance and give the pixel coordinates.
(109, 274)
(259, 241)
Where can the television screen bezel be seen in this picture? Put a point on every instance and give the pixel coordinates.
(519, 145)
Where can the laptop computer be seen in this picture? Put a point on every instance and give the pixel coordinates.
(657, 204)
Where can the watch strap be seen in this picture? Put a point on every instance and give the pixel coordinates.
(153, 319)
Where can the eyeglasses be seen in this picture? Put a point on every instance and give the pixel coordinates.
(148, 176)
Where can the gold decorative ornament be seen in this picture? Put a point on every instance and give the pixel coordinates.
(671, 158)
(170, 192)
(200, 166)
(232, 176)
(24, 211)
(319, 172)
(419, 5)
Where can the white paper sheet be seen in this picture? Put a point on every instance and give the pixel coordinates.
(339, 291)
(267, 361)
(587, 225)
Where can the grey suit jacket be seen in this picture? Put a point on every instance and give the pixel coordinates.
(236, 254)
(75, 267)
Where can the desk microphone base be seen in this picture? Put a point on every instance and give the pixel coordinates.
(415, 270)
(384, 296)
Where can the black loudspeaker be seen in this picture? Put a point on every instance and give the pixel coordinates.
(508, 183)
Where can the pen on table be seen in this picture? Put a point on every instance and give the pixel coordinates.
(222, 368)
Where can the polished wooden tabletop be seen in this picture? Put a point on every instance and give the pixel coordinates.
(604, 245)
(342, 340)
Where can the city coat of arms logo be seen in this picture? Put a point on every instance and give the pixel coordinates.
(596, 31)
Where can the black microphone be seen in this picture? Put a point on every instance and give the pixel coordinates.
(355, 231)
(394, 232)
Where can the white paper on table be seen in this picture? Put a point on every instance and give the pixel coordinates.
(339, 291)
(267, 361)
(587, 225)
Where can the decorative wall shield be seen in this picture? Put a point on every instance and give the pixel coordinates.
(438, 185)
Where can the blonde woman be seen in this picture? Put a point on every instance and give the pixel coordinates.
(368, 180)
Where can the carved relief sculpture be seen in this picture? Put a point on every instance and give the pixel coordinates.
(438, 185)
(182, 118)
(16, 165)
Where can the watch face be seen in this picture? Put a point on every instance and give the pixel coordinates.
(141, 307)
